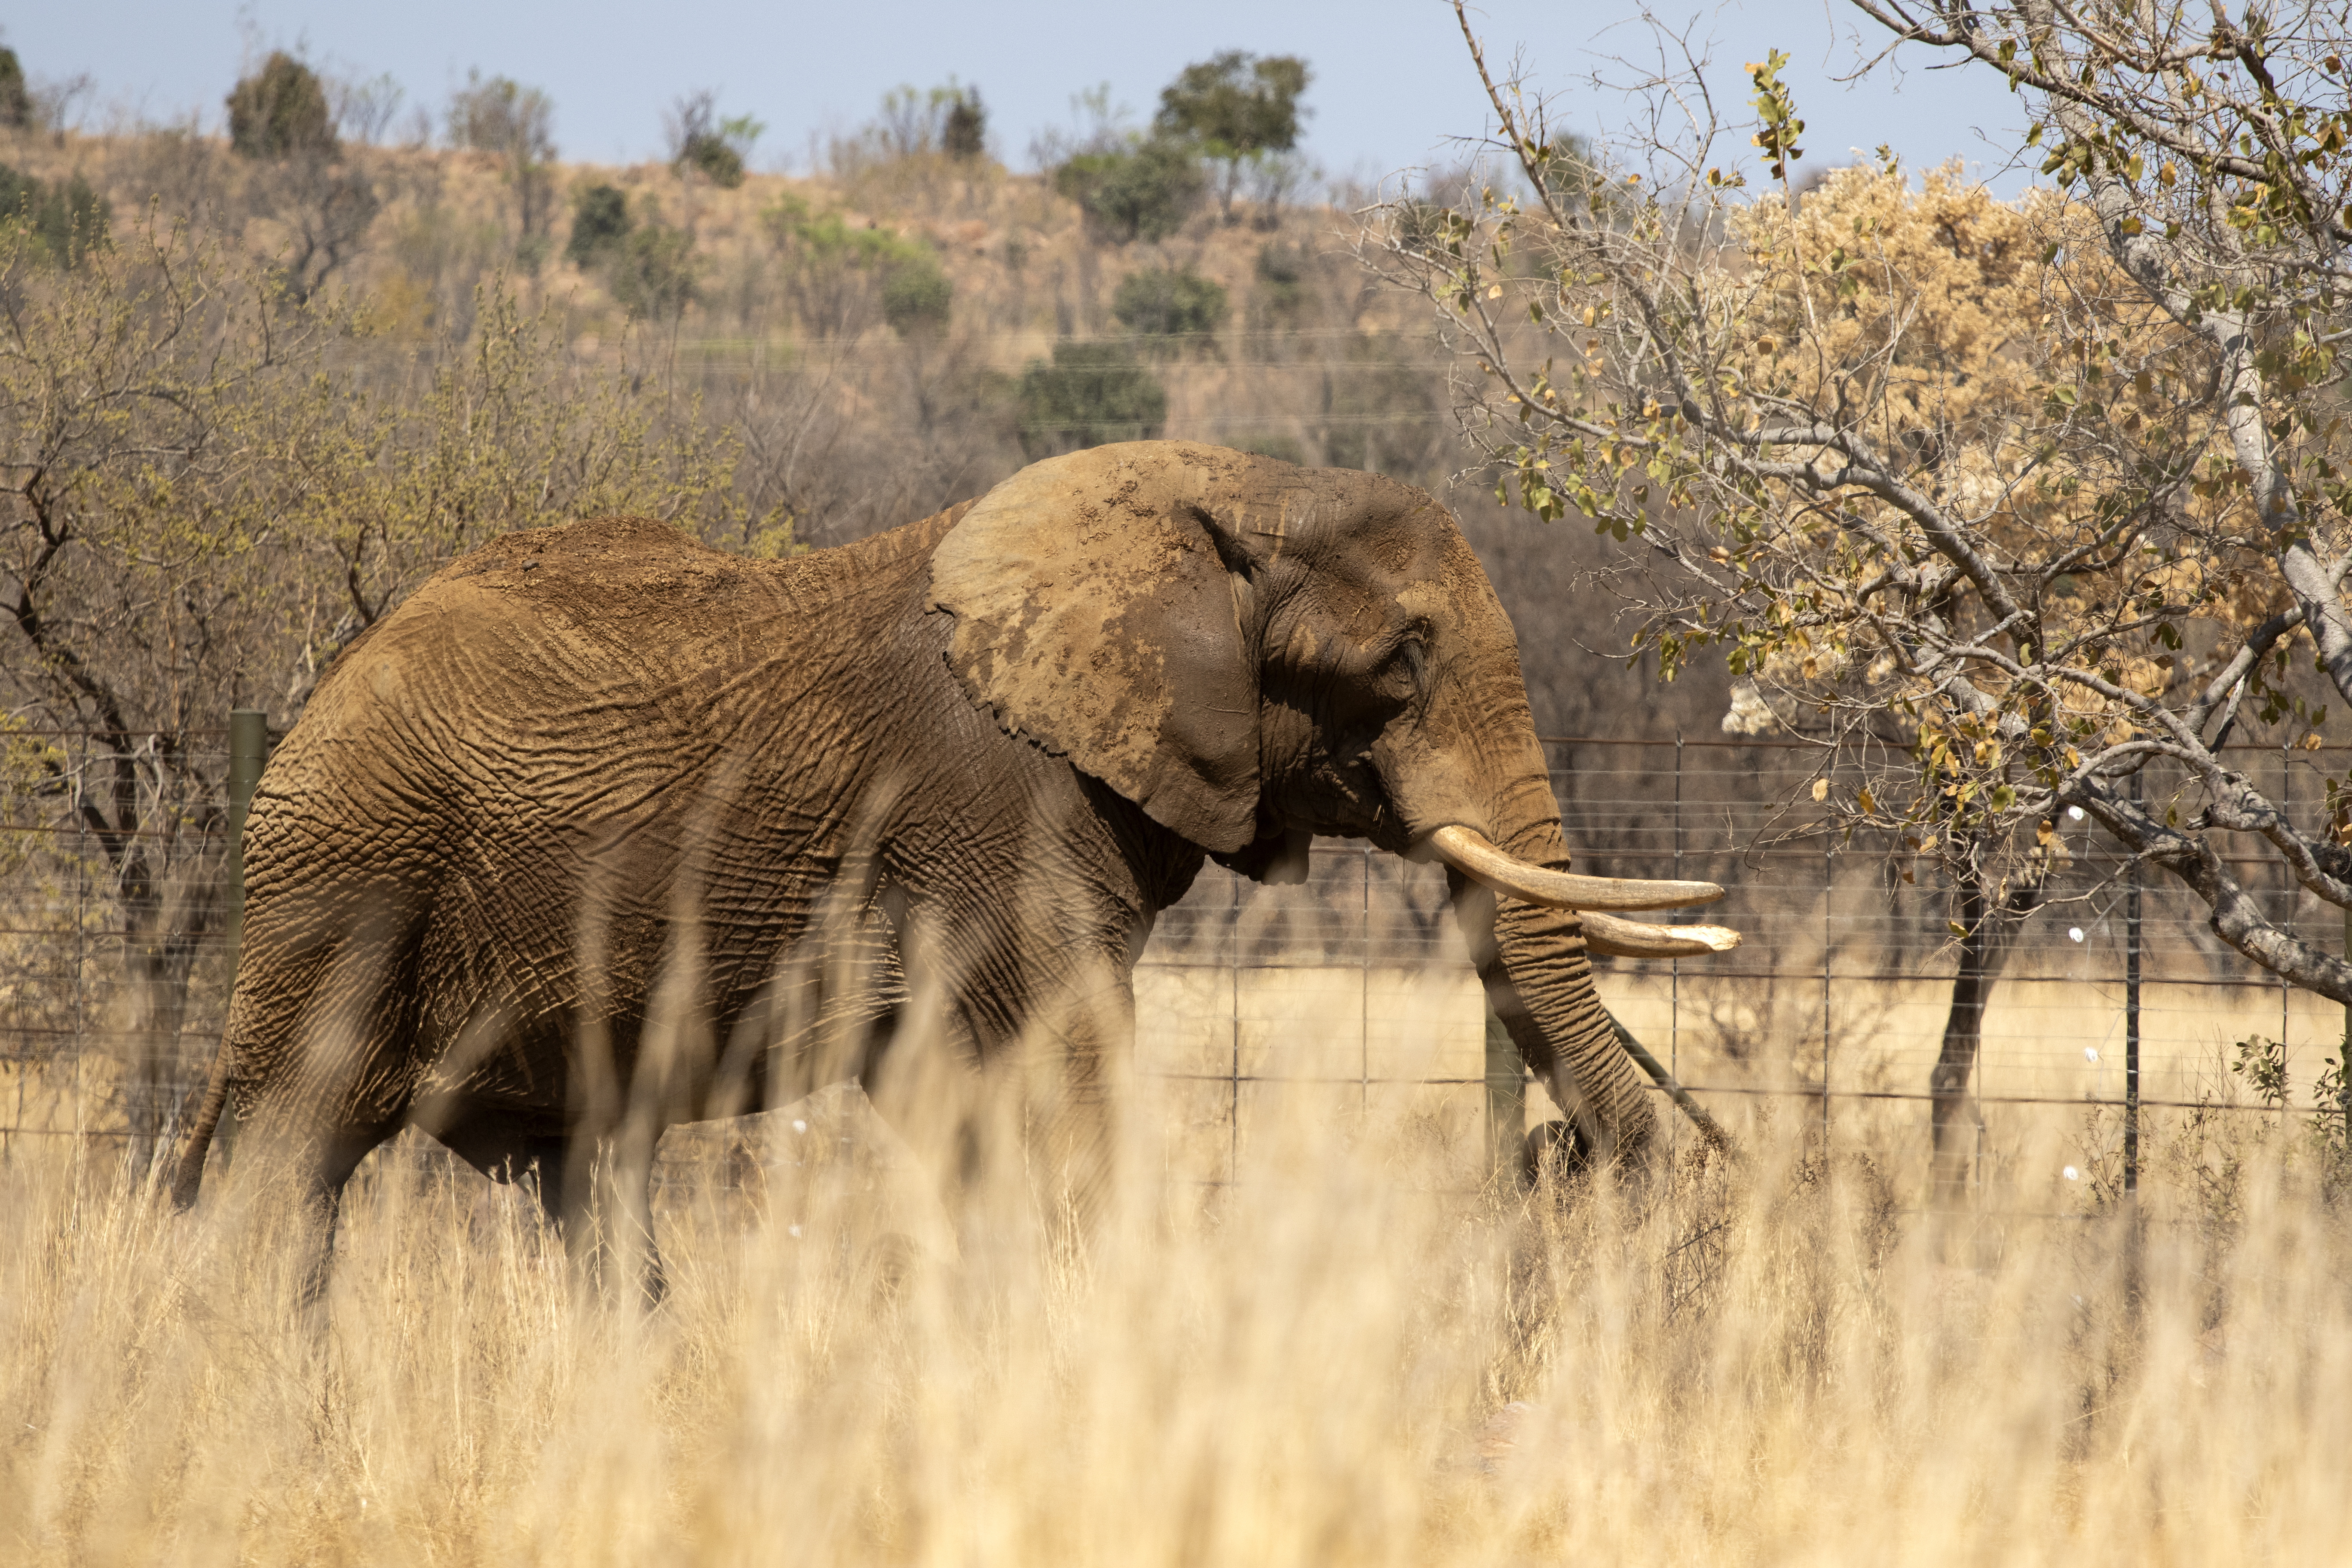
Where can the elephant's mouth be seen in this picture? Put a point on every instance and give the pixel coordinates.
(1475, 855)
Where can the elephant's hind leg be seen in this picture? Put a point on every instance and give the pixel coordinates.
(324, 1036)
(599, 1192)
(594, 1184)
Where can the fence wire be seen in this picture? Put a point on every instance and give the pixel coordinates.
(1351, 994)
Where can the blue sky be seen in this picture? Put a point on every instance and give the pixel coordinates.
(1392, 79)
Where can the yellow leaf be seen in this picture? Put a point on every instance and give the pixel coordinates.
(1495, 292)
(2043, 834)
(1820, 789)
(1868, 801)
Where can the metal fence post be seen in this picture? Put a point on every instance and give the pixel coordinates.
(1675, 966)
(1829, 943)
(2131, 1013)
(1364, 995)
(2286, 880)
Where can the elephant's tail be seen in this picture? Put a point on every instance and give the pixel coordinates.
(189, 1174)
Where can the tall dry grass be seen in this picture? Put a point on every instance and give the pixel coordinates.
(1344, 1363)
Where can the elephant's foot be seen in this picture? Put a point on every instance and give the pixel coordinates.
(609, 1268)
(1554, 1155)
(891, 1266)
(1558, 1162)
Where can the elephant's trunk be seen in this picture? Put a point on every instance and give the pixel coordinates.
(1533, 960)
(1518, 905)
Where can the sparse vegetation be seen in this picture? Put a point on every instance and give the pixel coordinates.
(61, 222)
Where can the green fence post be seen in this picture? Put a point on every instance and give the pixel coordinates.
(1507, 1102)
(249, 749)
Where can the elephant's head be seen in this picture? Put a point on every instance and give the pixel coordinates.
(1255, 653)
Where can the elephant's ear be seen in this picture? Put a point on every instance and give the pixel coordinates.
(1095, 614)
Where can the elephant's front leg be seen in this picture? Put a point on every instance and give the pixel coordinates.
(1076, 1063)
(604, 1172)
(608, 1231)
(1044, 1011)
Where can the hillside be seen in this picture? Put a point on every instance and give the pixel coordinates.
(768, 306)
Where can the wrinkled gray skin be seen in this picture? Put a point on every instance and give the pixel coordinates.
(597, 775)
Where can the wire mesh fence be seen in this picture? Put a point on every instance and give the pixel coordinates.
(113, 945)
(1355, 990)
(1350, 995)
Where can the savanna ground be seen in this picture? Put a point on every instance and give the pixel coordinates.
(1343, 1361)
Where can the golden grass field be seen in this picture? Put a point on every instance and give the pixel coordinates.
(1349, 1358)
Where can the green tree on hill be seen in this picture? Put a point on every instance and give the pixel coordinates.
(653, 273)
(600, 222)
(280, 111)
(917, 295)
(61, 223)
(1170, 302)
(1091, 394)
(650, 268)
(833, 271)
(1144, 190)
(1281, 273)
(703, 144)
(964, 132)
(1237, 107)
(512, 122)
(16, 100)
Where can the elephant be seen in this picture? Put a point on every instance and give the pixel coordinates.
(603, 829)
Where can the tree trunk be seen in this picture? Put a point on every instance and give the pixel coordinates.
(1984, 944)
(159, 951)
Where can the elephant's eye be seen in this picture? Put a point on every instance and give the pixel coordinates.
(1416, 660)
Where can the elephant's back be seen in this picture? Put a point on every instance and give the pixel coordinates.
(541, 641)
(580, 697)
(620, 577)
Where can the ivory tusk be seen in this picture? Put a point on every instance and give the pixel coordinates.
(1636, 939)
(1476, 858)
